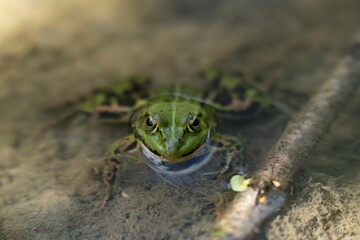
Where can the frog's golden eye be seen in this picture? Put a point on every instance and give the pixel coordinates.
(193, 124)
(151, 125)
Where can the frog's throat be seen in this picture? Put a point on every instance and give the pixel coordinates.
(183, 165)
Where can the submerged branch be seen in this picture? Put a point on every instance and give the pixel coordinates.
(250, 208)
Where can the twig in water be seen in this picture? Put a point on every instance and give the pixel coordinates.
(250, 208)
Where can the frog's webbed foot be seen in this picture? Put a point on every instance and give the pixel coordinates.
(235, 156)
(234, 93)
(113, 165)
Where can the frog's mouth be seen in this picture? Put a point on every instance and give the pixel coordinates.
(182, 166)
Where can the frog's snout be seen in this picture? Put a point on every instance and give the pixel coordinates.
(172, 145)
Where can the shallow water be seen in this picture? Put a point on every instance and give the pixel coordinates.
(52, 52)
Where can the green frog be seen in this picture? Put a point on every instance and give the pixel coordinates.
(175, 131)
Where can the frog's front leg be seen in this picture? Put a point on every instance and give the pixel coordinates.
(235, 155)
(117, 150)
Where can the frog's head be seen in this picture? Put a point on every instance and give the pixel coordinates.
(173, 130)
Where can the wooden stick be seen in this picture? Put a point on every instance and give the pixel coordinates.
(250, 208)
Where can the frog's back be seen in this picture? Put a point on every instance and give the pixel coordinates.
(174, 92)
(229, 93)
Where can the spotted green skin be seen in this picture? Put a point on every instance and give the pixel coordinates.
(171, 128)
(174, 138)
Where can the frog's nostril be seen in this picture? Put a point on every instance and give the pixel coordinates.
(171, 146)
(180, 140)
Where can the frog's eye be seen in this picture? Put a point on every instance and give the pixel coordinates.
(193, 125)
(151, 125)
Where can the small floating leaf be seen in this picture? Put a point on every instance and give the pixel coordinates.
(238, 183)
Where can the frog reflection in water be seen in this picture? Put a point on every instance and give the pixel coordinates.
(175, 132)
